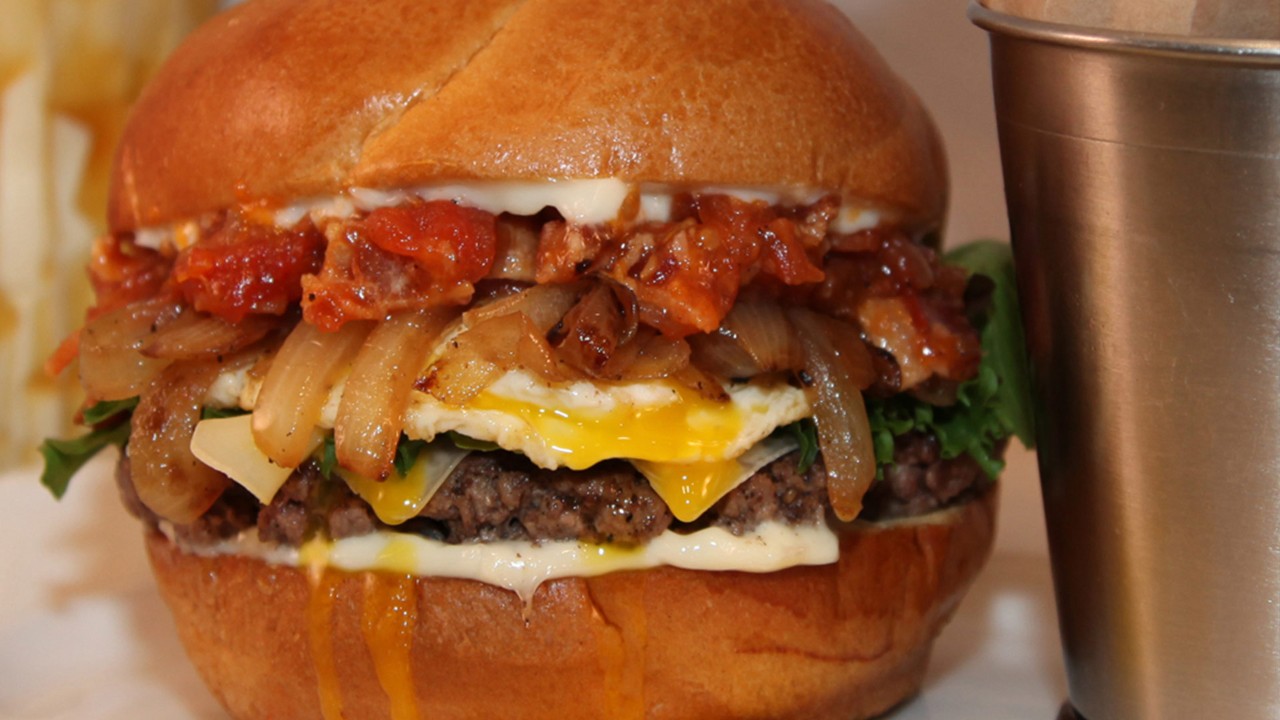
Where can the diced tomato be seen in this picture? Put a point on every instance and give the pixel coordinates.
(450, 242)
(905, 301)
(686, 274)
(245, 267)
(122, 272)
(785, 256)
(411, 256)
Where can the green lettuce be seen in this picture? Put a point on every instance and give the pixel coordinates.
(63, 458)
(407, 451)
(992, 406)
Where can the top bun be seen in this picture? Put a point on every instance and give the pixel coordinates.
(282, 99)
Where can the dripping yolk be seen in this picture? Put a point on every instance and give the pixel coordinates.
(680, 446)
(688, 429)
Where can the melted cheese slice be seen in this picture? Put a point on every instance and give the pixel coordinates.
(227, 445)
(400, 498)
(690, 489)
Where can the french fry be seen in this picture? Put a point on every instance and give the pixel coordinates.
(68, 71)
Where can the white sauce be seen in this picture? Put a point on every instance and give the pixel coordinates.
(522, 566)
(584, 202)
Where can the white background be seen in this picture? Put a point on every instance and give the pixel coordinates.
(83, 635)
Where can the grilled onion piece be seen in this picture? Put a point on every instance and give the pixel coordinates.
(297, 386)
(479, 356)
(544, 304)
(591, 332)
(647, 356)
(761, 328)
(754, 338)
(722, 355)
(167, 476)
(376, 394)
(194, 335)
(839, 366)
(112, 366)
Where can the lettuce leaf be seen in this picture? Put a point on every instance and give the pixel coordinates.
(805, 433)
(63, 458)
(101, 412)
(1003, 340)
(992, 406)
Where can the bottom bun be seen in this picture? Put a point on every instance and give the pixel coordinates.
(846, 640)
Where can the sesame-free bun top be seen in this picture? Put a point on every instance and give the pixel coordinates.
(284, 99)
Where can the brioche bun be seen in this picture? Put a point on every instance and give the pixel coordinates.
(848, 640)
(284, 99)
(280, 100)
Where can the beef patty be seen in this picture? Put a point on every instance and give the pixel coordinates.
(502, 496)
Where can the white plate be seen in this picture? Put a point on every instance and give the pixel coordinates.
(84, 636)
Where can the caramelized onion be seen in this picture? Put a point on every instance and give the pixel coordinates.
(516, 251)
(762, 330)
(376, 394)
(630, 309)
(703, 384)
(480, 355)
(167, 476)
(544, 305)
(193, 335)
(591, 332)
(839, 367)
(111, 364)
(297, 385)
(754, 338)
(648, 356)
(722, 355)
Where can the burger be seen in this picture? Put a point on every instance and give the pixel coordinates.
(545, 359)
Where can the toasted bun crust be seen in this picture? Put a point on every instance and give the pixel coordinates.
(282, 99)
(847, 640)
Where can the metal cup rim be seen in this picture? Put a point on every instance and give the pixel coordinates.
(1228, 50)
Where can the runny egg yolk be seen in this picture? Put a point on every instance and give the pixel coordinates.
(691, 429)
(689, 489)
(681, 446)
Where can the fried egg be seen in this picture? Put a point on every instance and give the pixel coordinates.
(693, 450)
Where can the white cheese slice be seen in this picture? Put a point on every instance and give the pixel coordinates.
(401, 498)
(690, 489)
(226, 445)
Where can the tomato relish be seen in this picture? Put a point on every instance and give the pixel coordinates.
(684, 274)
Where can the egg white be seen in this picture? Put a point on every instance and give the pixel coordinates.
(761, 406)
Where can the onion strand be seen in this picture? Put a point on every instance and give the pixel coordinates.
(840, 367)
(112, 365)
(376, 395)
(165, 473)
(297, 386)
(193, 335)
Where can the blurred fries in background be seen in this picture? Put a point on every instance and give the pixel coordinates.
(68, 72)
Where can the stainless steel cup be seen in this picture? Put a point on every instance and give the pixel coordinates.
(1142, 176)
